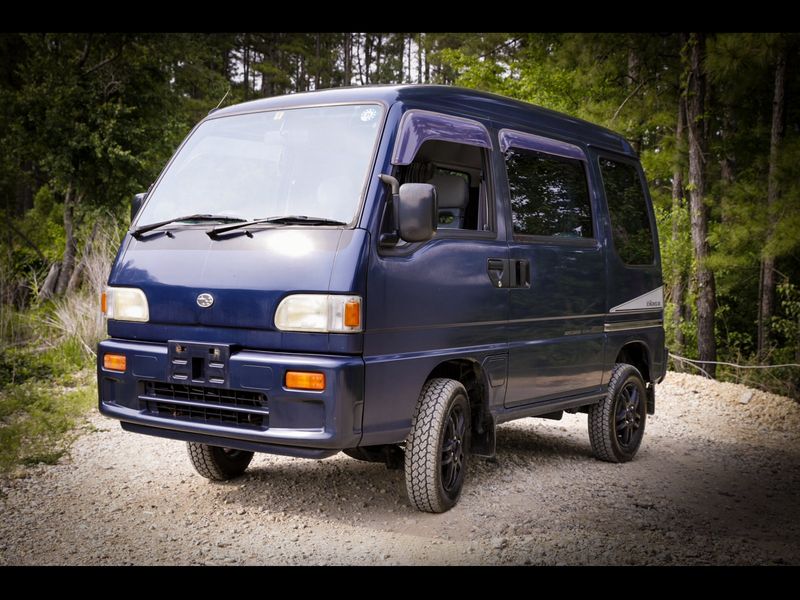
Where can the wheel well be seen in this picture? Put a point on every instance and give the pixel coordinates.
(635, 353)
(468, 373)
(471, 376)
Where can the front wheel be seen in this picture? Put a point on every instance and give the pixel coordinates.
(616, 423)
(216, 463)
(438, 446)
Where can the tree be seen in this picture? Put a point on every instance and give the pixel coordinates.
(696, 119)
(767, 274)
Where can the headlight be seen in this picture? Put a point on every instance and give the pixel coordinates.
(125, 304)
(319, 312)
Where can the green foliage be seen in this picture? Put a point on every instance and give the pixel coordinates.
(43, 392)
(35, 419)
(787, 324)
(677, 263)
(631, 83)
(98, 115)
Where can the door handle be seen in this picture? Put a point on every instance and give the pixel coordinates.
(509, 273)
(498, 273)
(520, 273)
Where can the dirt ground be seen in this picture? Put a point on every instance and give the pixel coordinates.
(717, 481)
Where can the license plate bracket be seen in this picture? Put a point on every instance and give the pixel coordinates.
(198, 363)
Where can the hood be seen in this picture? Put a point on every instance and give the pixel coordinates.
(246, 276)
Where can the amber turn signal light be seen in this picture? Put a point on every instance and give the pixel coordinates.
(303, 380)
(115, 362)
(352, 314)
(103, 303)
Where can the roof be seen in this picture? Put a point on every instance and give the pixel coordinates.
(504, 111)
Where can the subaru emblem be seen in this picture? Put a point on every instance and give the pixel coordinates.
(205, 300)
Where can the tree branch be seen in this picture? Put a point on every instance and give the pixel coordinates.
(631, 95)
(102, 63)
(85, 53)
(499, 47)
(25, 239)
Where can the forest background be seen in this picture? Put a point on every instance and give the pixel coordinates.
(88, 120)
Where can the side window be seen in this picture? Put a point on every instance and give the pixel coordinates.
(458, 173)
(627, 207)
(549, 194)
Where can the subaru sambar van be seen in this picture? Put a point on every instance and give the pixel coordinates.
(389, 272)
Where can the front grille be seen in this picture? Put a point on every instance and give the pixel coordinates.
(205, 404)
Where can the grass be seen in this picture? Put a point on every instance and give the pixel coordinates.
(43, 394)
(47, 379)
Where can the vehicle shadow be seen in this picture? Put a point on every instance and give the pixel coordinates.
(325, 486)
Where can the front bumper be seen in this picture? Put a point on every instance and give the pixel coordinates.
(299, 423)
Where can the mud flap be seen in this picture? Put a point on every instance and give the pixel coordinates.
(651, 399)
(483, 438)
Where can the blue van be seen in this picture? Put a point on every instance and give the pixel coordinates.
(389, 272)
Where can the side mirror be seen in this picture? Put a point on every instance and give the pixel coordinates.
(417, 212)
(136, 203)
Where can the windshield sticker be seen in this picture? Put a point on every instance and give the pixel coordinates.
(368, 114)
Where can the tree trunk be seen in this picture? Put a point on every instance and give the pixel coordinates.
(678, 284)
(633, 80)
(695, 117)
(75, 280)
(427, 62)
(348, 58)
(49, 286)
(410, 42)
(70, 247)
(767, 292)
(419, 58)
(401, 56)
(246, 67)
(378, 48)
(367, 57)
(358, 58)
(318, 65)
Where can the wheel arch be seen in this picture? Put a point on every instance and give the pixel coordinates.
(636, 353)
(474, 378)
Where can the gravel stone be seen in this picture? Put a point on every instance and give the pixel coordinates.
(715, 483)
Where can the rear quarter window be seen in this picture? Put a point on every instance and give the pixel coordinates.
(627, 207)
(549, 195)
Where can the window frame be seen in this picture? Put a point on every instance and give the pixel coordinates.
(490, 214)
(531, 142)
(418, 126)
(490, 201)
(637, 167)
(359, 213)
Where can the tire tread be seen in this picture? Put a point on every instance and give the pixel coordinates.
(206, 464)
(422, 445)
(600, 432)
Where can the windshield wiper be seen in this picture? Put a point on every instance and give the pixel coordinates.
(145, 228)
(284, 220)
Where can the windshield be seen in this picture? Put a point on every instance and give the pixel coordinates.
(305, 161)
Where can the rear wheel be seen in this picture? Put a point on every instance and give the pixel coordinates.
(217, 463)
(616, 424)
(438, 446)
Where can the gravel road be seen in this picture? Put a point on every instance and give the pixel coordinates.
(717, 481)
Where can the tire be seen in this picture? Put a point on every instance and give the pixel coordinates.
(616, 423)
(438, 446)
(217, 463)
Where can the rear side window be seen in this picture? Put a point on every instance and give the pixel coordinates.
(549, 195)
(627, 207)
